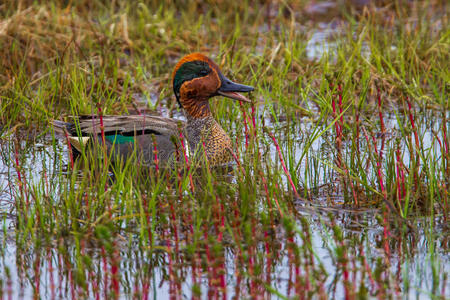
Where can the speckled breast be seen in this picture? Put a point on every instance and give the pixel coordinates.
(207, 134)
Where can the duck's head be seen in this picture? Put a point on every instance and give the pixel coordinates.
(196, 78)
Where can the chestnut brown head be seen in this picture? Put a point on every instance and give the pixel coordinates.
(196, 78)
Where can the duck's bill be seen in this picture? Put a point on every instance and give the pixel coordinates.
(235, 96)
(231, 89)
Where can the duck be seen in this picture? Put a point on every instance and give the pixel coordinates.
(160, 140)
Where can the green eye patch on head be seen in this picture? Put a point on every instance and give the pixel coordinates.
(187, 72)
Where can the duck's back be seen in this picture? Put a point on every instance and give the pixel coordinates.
(127, 135)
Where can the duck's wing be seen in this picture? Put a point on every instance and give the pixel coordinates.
(133, 125)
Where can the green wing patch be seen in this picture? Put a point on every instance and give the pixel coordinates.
(119, 139)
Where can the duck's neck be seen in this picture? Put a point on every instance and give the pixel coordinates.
(196, 108)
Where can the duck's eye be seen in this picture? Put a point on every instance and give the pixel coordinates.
(203, 72)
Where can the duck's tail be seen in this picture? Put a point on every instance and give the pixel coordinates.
(77, 142)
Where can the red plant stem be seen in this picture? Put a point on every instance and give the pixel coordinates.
(189, 239)
(446, 163)
(342, 261)
(338, 129)
(400, 177)
(221, 216)
(333, 104)
(46, 183)
(222, 219)
(180, 194)
(357, 134)
(439, 141)
(37, 276)
(269, 202)
(276, 201)
(155, 153)
(446, 140)
(251, 272)
(416, 139)
(60, 275)
(71, 283)
(380, 175)
(115, 272)
(355, 196)
(298, 286)
(383, 128)
(380, 112)
(19, 174)
(339, 136)
(174, 227)
(68, 270)
(50, 270)
(341, 109)
(354, 277)
(254, 280)
(245, 124)
(171, 273)
(411, 119)
(149, 224)
(194, 274)
(446, 151)
(145, 288)
(69, 146)
(90, 273)
(102, 132)
(186, 160)
(307, 282)
(346, 275)
(175, 233)
(308, 240)
(239, 261)
(223, 285)
(336, 123)
(199, 259)
(268, 258)
(282, 163)
(254, 118)
(237, 273)
(236, 159)
(367, 268)
(398, 278)
(402, 173)
(105, 272)
(211, 271)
